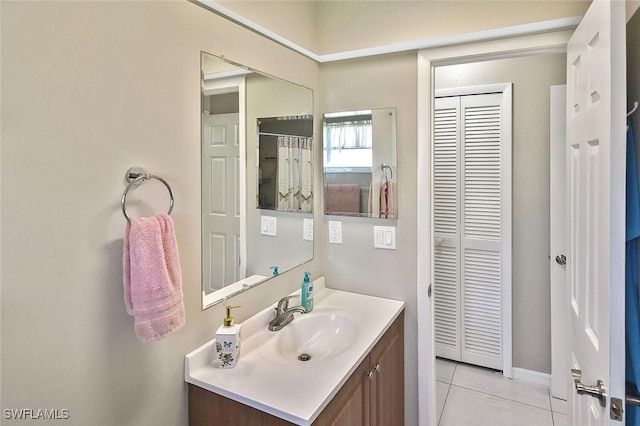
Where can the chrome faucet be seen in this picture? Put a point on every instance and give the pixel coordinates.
(284, 314)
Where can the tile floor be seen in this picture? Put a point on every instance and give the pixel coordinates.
(474, 396)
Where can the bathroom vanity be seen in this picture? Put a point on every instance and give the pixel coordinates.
(355, 374)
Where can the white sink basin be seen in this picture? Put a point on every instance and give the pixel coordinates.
(316, 336)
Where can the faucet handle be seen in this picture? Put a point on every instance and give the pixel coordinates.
(283, 304)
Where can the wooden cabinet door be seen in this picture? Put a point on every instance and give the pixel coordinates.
(350, 406)
(387, 383)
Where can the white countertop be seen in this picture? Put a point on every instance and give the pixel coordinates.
(296, 392)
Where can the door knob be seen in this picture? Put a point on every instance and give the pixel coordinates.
(597, 391)
(561, 259)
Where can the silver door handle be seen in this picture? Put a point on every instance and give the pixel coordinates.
(561, 259)
(597, 391)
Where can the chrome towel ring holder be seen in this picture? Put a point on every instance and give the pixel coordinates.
(135, 176)
(386, 167)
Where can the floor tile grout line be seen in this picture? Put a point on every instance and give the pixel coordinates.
(498, 396)
(444, 404)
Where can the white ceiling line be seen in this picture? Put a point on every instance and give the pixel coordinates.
(241, 20)
(568, 23)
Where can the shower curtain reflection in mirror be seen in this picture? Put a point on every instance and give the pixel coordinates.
(295, 178)
(285, 163)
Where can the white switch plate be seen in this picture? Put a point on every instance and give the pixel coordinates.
(335, 232)
(384, 237)
(269, 225)
(307, 229)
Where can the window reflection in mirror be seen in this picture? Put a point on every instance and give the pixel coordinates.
(359, 163)
(236, 253)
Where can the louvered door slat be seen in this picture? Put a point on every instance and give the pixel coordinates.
(445, 169)
(447, 303)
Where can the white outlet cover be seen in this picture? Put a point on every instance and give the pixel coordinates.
(335, 232)
(307, 229)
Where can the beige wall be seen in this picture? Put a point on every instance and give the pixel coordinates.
(349, 25)
(66, 340)
(338, 26)
(531, 78)
(293, 20)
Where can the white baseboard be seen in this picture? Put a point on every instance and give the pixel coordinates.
(535, 377)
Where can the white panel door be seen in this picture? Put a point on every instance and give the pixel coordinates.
(595, 153)
(220, 204)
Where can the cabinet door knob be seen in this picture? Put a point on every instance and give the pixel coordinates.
(370, 375)
(377, 368)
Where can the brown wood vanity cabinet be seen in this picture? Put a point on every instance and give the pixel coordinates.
(373, 395)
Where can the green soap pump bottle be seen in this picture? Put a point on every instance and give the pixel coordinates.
(306, 293)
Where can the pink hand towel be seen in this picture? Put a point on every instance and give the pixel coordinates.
(343, 199)
(152, 277)
(386, 200)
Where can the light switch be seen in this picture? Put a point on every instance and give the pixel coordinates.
(269, 225)
(384, 237)
(388, 238)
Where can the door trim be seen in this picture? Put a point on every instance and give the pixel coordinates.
(560, 379)
(427, 61)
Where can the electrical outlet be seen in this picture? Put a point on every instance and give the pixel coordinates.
(335, 232)
(307, 229)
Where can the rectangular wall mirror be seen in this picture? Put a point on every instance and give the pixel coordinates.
(360, 163)
(237, 251)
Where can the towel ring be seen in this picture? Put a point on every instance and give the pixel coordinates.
(135, 176)
(386, 167)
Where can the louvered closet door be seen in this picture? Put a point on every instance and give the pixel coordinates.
(468, 229)
(447, 227)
